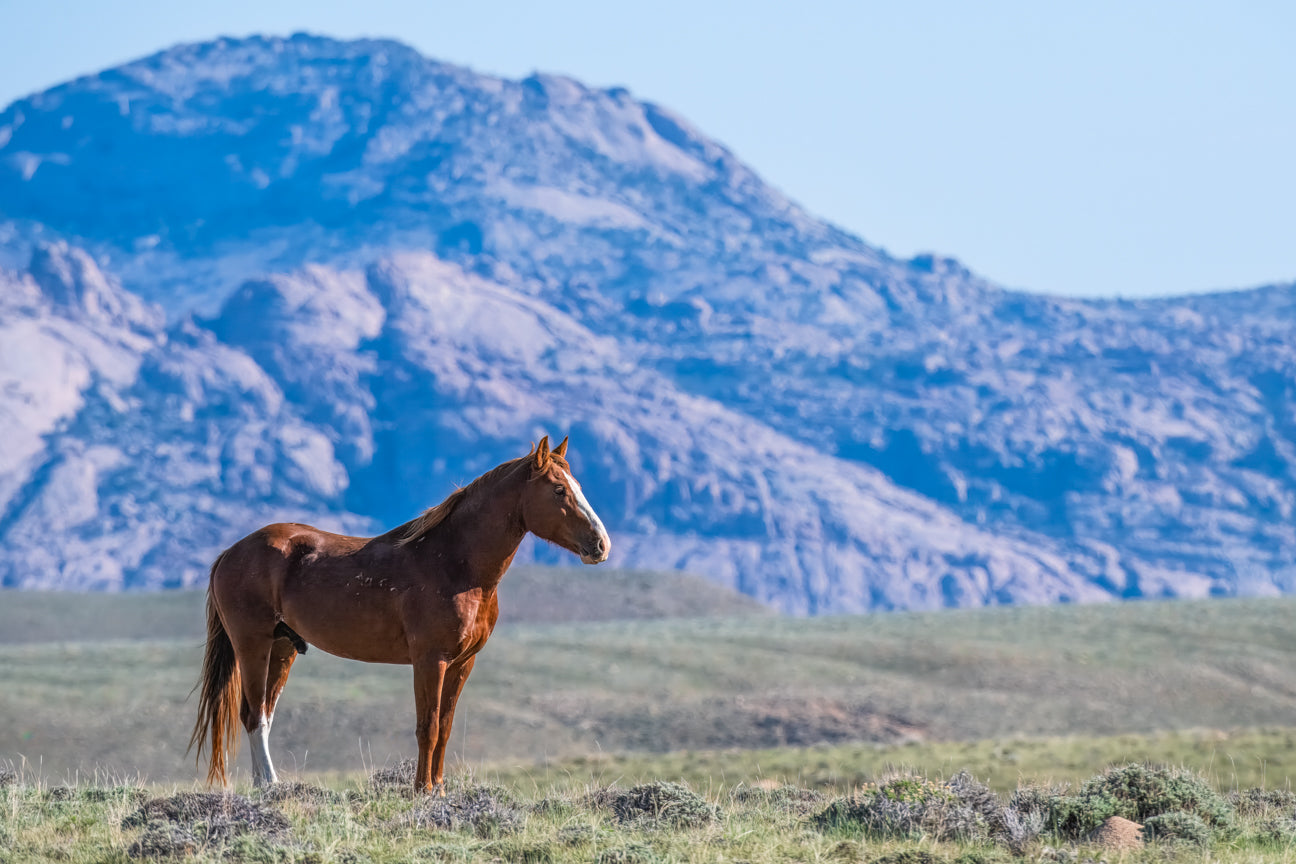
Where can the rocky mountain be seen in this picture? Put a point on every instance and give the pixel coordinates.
(299, 278)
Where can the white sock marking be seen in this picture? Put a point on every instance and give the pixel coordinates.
(263, 773)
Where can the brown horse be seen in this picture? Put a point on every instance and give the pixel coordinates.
(423, 593)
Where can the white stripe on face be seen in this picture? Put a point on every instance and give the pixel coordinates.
(586, 509)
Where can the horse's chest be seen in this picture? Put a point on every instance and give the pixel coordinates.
(477, 629)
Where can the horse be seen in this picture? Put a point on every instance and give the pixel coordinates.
(423, 594)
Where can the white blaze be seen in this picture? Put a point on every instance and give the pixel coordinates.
(588, 512)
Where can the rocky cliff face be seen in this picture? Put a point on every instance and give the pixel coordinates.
(304, 279)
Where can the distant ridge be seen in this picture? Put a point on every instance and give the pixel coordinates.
(298, 278)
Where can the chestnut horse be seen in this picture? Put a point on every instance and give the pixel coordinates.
(423, 594)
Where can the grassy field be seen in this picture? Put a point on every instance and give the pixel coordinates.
(901, 819)
(822, 702)
(648, 737)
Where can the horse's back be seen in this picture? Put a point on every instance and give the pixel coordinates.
(266, 559)
(336, 592)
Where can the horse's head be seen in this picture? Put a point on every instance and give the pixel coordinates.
(554, 507)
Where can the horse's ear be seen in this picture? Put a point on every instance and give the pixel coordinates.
(561, 449)
(542, 452)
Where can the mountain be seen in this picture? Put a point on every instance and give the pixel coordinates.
(300, 278)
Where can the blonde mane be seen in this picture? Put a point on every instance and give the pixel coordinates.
(419, 527)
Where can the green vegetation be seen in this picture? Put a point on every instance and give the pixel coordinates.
(663, 739)
(901, 819)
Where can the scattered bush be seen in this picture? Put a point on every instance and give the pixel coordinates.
(902, 807)
(661, 803)
(1275, 831)
(488, 811)
(1264, 802)
(908, 856)
(303, 792)
(399, 776)
(1073, 816)
(163, 841)
(631, 853)
(911, 808)
(1143, 791)
(209, 817)
(1178, 828)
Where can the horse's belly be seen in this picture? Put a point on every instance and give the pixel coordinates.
(354, 629)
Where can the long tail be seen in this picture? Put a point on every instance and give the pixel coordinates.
(221, 695)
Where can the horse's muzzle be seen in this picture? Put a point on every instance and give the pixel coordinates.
(596, 552)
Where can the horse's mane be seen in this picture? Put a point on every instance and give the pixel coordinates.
(418, 528)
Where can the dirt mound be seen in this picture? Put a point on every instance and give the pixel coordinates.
(1117, 834)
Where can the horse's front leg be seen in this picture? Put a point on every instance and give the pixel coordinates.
(454, 681)
(429, 678)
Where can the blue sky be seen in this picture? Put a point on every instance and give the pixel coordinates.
(1096, 149)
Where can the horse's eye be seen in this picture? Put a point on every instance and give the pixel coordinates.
(560, 490)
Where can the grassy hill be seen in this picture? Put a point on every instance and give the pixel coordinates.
(857, 691)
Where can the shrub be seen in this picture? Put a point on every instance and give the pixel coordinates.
(396, 777)
(659, 802)
(163, 841)
(212, 816)
(1073, 816)
(908, 856)
(488, 811)
(304, 792)
(910, 808)
(1264, 802)
(631, 853)
(1178, 828)
(1275, 831)
(1143, 791)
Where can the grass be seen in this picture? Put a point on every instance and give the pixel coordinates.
(907, 819)
(1240, 759)
(543, 693)
(760, 719)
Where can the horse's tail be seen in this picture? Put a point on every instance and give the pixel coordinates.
(221, 694)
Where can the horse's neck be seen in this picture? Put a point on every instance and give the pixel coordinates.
(487, 527)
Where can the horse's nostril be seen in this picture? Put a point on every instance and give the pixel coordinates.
(600, 546)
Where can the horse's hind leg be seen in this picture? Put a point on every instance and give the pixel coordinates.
(282, 656)
(254, 656)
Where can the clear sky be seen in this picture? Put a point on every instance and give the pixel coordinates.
(1097, 149)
